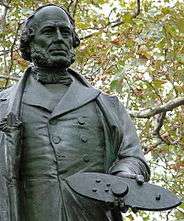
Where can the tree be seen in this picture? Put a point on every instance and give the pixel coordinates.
(134, 49)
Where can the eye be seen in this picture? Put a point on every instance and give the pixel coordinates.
(48, 31)
(65, 33)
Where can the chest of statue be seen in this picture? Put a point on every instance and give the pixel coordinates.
(62, 145)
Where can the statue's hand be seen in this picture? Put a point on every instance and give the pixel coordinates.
(138, 178)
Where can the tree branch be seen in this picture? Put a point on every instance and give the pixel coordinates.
(12, 51)
(167, 216)
(4, 4)
(3, 20)
(69, 5)
(180, 210)
(75, 7)
(169, 106)
(4, 52)
(156, 132)
(117, 23)
(160, 121)
(9, 78)
(138, 9)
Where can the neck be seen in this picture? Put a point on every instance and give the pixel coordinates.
(49, 75)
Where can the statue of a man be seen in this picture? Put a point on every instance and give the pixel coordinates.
(54, 124)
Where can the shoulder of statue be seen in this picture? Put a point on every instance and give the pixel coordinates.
(113, 103)
(6, 92)
(19, 84)
(110, 99)
(79, 77)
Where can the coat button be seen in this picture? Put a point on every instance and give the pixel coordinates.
(84, 138)
(53, 122)
(81, 120)
(86, 158)
(56, 139)
(61, 156)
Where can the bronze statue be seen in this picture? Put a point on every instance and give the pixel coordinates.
(54, 124)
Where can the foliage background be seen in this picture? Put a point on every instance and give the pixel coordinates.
(134, 49)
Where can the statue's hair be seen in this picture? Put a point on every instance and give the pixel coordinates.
(28, 33)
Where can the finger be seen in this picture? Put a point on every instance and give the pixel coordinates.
(126, 175)
(140, 179)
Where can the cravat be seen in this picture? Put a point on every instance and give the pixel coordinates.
(51, 78)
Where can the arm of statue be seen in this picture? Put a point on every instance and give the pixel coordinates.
(130, 161)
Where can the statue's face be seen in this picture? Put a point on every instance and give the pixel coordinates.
(52, 44)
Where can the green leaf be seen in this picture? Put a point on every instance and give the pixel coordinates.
(180, 58)
(127, 18)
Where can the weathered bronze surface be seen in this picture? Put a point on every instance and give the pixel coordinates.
(54, 124)
(123, 192)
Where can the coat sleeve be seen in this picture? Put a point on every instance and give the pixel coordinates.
(130, 157)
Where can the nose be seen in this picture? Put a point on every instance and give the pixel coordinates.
(59, 35)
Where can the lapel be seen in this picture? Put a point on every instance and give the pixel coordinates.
(14, 96)
(76, 96)
(36, 94)
(79, 93)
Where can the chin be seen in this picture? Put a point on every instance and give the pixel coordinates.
(55, 63)
(59, 62)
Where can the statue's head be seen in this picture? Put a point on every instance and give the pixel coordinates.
(48, 38)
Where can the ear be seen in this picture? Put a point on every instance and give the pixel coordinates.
(76, 40)
(31, 32)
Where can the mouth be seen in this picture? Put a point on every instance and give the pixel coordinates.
(58, 51)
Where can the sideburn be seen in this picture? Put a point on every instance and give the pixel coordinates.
(42, 59)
